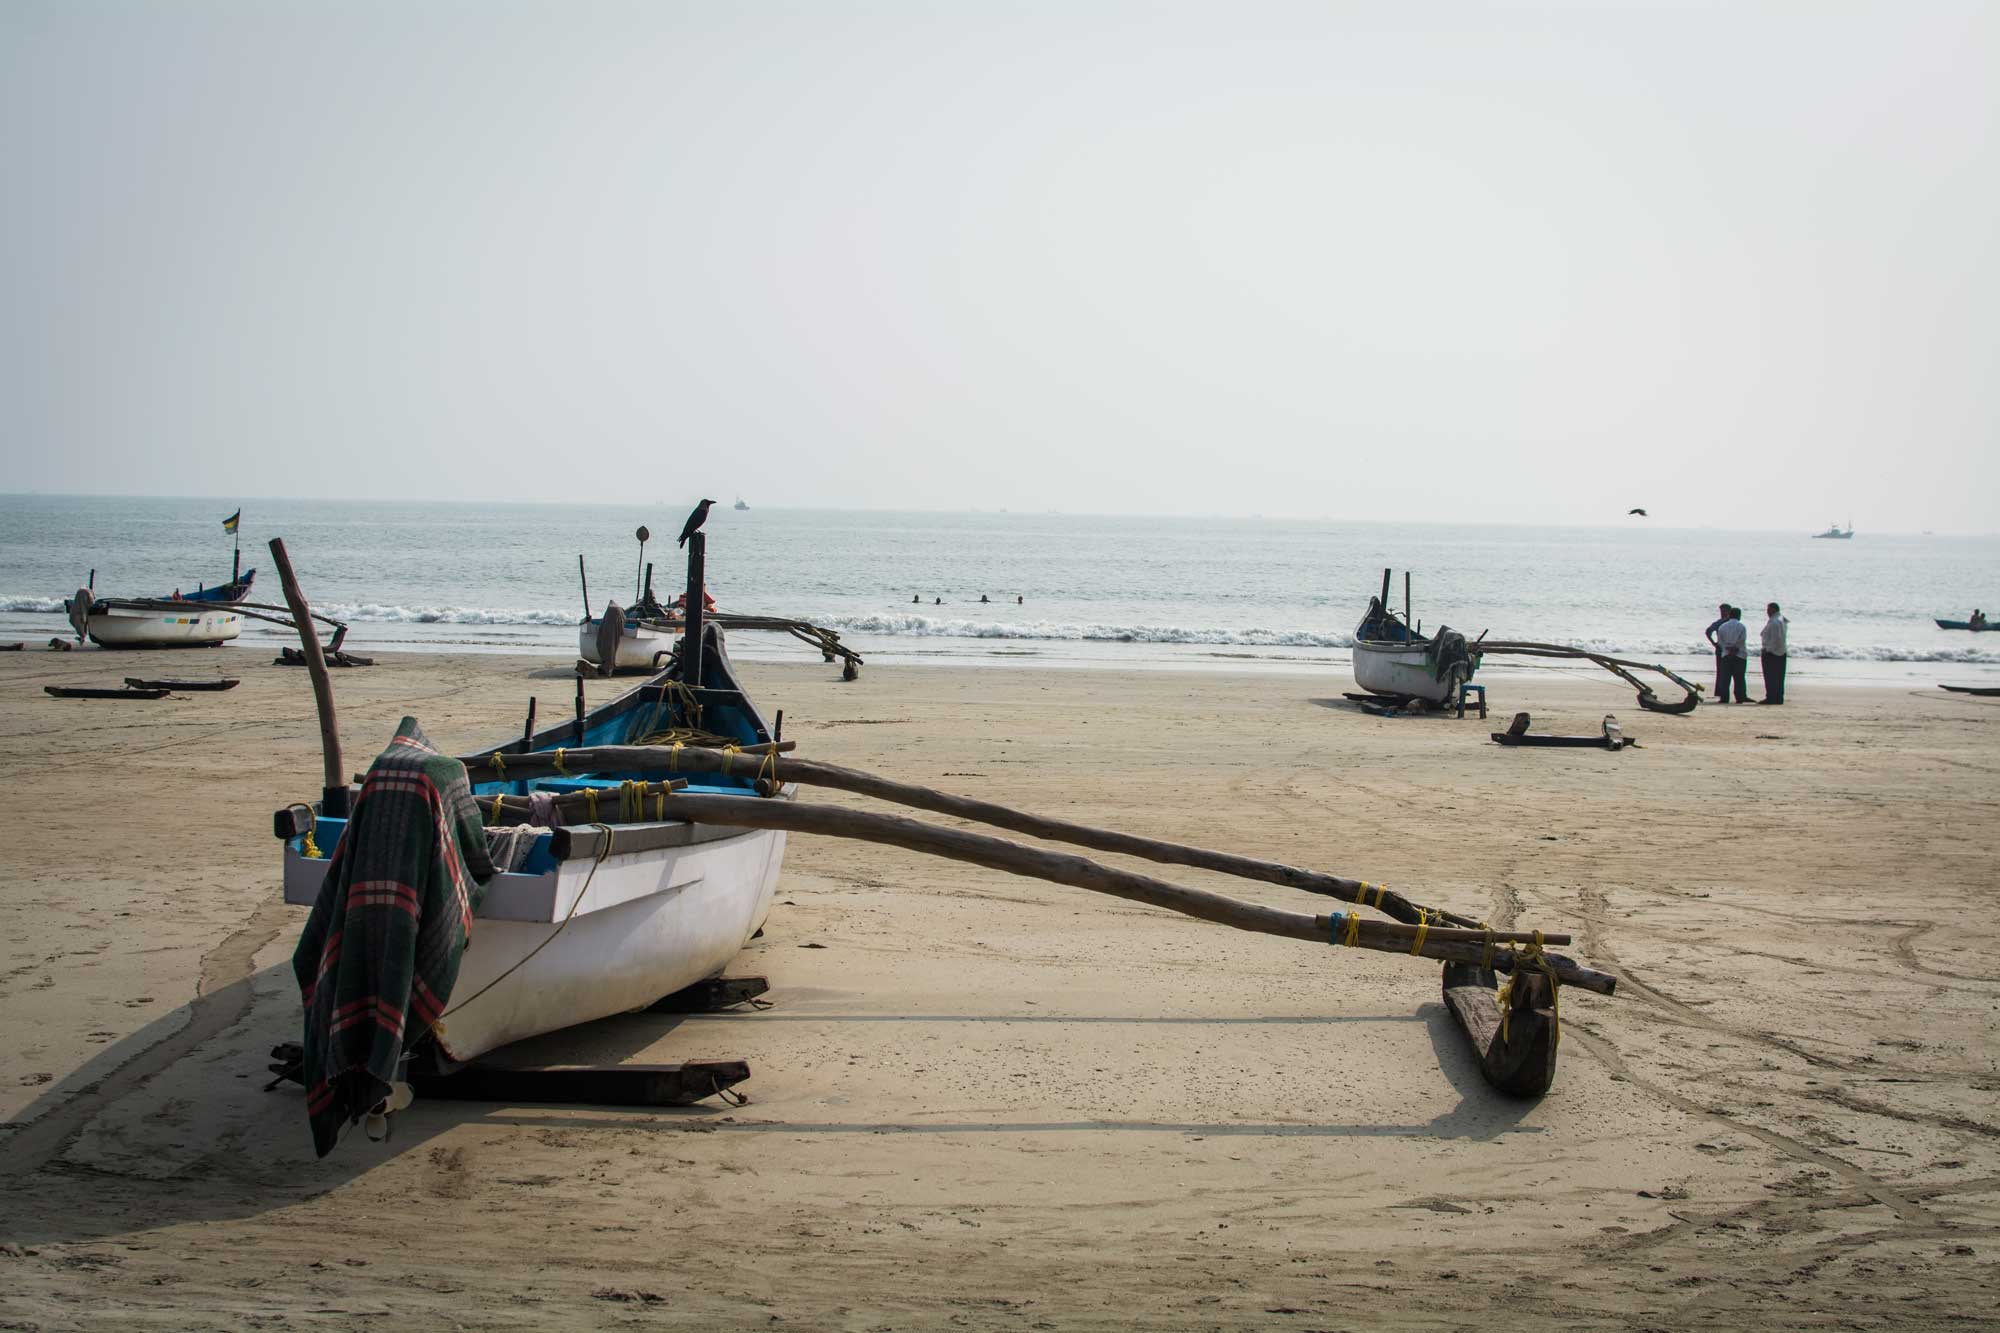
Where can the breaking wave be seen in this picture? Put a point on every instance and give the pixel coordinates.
(31, 603)
(1056, 631)
(376, 612)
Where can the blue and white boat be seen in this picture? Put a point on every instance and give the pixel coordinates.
(600, 919)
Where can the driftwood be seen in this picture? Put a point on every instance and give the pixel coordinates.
(1613, 737)
(1518, 1056)
(87, 692)
(1440, 943)
(750, 764)
(220, 683)
(333, 794)
(336, 658)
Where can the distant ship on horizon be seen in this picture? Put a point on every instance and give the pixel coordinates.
(1833, 530)
(740, 504)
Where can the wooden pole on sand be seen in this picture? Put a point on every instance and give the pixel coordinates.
(333, 793)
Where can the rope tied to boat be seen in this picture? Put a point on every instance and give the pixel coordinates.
(559, 762)
(1423, 929)
(1344, 929)
(499, 765)
(590, 800)
(1533, 959)
(1486, 955)
(602, 854)
(307, 847)
(768, 771)
(499, 803)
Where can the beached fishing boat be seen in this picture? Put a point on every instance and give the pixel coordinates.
(638, 643)
(151, 622)
(591, 920)
(1392, 658)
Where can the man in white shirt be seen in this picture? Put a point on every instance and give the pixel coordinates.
(1732, 640)
(1774, 655)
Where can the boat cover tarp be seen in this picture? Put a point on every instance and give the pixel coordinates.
(380, 952)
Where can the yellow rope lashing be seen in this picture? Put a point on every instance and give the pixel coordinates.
(1351, 937)
(499, 764)
(559, 762)
(1423, 929)
(589, 800)
(499, 801)
(768, 770)
(307, 847)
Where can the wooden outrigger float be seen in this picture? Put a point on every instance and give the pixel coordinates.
(663, 816)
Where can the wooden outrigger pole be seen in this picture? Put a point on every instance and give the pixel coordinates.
(1648, 700)
(1418, 930)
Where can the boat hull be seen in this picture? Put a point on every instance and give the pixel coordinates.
(198, 626)
(584, 940)
(637, 646)
(1397, 669)
(1963, 624)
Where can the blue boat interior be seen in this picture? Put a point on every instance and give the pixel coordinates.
(1381, 625)
(656, 713)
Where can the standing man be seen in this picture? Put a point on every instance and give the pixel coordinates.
(1721, 681)
(1732, 639)
(1774, 655)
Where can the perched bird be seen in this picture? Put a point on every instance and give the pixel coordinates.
(695, 520)
(1640, 512)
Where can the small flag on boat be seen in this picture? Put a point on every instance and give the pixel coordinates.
(229, 524)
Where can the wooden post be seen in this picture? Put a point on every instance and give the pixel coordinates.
(586, 584)
(1384, 598)
(1408, 624)
(333, 792)
(576, 727)
(528, 728)
(638, 575)
(697, 585)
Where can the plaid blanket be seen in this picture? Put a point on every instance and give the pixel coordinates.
(380, 951)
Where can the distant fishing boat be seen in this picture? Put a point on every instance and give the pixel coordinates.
(178, 620)
(1965, 624)
(740, 504)
(1834, 531)
(1392, 658)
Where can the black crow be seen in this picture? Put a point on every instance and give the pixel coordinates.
(695, 520)
(1640, 512)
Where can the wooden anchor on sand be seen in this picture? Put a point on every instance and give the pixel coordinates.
(1613, 737)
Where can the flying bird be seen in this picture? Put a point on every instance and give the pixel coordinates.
(695, 520)
(1640, 512)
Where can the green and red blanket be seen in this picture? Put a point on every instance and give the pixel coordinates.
(380, 952)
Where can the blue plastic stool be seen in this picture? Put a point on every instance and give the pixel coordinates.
(1464, 690)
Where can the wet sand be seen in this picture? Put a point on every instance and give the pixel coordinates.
(992, 1102)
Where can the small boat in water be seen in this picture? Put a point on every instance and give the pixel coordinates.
(1964, 624)
(1392, 658)
(1834, 530)
(740, 505)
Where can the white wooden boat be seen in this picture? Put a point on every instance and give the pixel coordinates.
(577, 934)
(122, 623)
(1391, 658)
(638, 644)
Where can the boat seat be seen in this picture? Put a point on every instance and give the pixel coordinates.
(1467, 688)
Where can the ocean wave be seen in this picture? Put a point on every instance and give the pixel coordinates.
(31, 603)
(378, 613)
(1058, 632)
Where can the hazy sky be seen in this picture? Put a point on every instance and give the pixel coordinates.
(1738, 263)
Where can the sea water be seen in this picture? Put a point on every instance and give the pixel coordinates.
(1174, 593)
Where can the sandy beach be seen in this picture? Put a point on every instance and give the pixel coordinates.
(984, 1101)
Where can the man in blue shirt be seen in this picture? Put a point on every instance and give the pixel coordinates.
(1721, 616)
